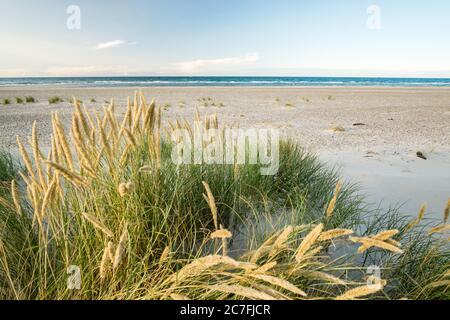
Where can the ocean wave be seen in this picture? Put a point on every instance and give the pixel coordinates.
(221, 81)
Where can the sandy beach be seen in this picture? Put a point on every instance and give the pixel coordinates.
(379, 153)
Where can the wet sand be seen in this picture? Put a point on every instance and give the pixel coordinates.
(380, 154)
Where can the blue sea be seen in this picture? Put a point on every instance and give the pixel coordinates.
(223, 81)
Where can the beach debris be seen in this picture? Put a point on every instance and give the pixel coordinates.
(391, 119)
(371, 153)
(359, 124)
(338, 129)
(421, 155)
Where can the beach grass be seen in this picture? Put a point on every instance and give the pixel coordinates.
(108, 203)
(19, 100)
(6, 101)
(30, 99)
(55, 100)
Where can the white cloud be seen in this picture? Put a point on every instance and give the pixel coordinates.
(15, 73)
(87, 71)
(109, 44)
(205, 65)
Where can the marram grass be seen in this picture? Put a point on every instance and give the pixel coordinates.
(108, 200)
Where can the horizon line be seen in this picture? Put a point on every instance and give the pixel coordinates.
(224, 76)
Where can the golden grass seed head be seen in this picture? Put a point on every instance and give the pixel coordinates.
(209, 197)
(165, 254)
(308, 242)
(385, 235)
(447, 212)
(359, 292)
(120, 250)
(104, 263)
(333, 234)
(97, 224)
(125, 188)
(16, 198)
(278, 282)
(242, 291)
(221, 234)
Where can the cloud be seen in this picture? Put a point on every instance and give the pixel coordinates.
(15, 73)
(110, 44)
(204, 65)
(87, 71)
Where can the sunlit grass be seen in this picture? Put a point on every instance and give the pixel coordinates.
(108, 199)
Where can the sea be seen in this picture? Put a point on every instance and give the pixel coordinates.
(224, 82)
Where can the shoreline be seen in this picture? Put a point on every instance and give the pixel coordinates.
(68, 87)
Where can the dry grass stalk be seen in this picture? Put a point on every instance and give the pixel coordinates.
(104, 140)
(270, 291)
(111, 251)
(386, 235)
(221, 234)
(131, 138)
(89, 118)
(370, 242)
(164, 255)
(124, 157)
(104, 263)
(312, 253)
(120, 248)
(97, 224)
(447, 212)
(61, 142)
(278, 282)
(16, 198)
(224, 247)
(202, 264)
(209, 197)
(360, 292)
(419, 218)
(281, 240)
(179, 297)
(47, 197)
(80, 115)
(37, 154)
(146, 169)
(439, 229)
(242, 291)
(332, 204)
(263, 248)
(308, 242)
(67, 174)
(335, 233)
(265, 268)
(318, 275)
(26, 159)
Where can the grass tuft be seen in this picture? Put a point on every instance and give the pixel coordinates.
(55, 100)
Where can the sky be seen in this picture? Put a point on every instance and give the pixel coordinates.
(399, 38)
